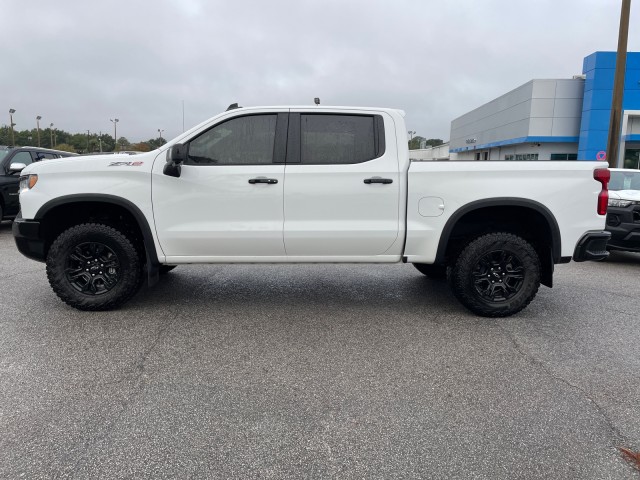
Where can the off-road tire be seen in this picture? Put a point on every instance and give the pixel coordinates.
(65, 252)
(473, 282)
(435, 272)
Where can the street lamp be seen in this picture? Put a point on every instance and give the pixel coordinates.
(160, 132)
(115, 133)
(411, 134)
(11, 112)
(88, 134)
(51, 132)
(38, 118)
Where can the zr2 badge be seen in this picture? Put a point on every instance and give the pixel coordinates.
(125, 164)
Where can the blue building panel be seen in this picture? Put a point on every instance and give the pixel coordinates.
(599, 70)
(598, 99)
(632, 79)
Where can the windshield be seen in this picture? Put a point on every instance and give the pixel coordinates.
(627, 180)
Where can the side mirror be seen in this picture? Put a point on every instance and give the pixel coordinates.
(177, 153)
(175, 156)
(16, 167)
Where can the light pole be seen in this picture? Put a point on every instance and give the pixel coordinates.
(88, 133)
(51, 133)
(115, 133)
(411, 134)
(613, 142)
(38, 118)
(100, 141)
(160, 132)
(11, 112)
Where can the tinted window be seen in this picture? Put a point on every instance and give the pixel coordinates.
(22, 157)
(42, 156)
(239, 141)
(342, 139)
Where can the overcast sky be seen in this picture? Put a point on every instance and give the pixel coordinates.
(80, 63)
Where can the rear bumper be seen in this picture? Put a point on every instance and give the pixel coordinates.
(592, 246)
(26, 233)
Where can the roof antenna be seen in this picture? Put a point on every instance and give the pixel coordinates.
(316, 100)
(233, 106)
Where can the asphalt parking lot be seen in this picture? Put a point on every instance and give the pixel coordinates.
(336, 371)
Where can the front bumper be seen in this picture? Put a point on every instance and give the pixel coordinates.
(624, 225)
(592, 246)
(27, 236)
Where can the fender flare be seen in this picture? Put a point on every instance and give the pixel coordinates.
(556, 247)
(153, 264)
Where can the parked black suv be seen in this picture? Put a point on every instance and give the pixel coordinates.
(18, 158)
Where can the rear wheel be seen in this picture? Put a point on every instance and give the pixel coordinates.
(93, 267)
(496, 275)
(436, 272)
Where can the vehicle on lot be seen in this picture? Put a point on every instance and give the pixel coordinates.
(623, 214)
(12, 161)
(308, 185)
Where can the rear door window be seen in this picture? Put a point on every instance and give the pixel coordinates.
(338, 139)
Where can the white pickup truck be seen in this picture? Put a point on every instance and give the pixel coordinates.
(308, 185)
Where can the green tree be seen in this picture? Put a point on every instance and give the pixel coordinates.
(415, 142)
(155, 142)
(433, 142)
(123, 143)
(65, 147)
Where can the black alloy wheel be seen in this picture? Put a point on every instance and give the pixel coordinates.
(92, 268)
(498, 275)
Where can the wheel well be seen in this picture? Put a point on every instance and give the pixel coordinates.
(525, 222)
(60, 218)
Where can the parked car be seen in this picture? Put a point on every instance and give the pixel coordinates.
(308, 185)
(623, 213)
(12, 161)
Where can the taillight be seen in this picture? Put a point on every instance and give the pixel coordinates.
(602, 175)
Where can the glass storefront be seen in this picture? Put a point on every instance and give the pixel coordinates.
(632, 156)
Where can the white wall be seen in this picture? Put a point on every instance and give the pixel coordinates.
(544, 151)
(441, 152)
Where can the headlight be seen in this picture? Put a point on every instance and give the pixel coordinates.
(619, 203)
(27, 182)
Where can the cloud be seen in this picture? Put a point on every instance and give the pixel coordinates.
(85, 63)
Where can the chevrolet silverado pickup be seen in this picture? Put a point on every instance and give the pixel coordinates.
(308, 185)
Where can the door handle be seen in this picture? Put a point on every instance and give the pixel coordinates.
(377, 180)
(269, 181)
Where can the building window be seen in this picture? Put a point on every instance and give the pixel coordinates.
(522, 157)
(564, 156)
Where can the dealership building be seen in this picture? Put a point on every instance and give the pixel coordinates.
(552, 119)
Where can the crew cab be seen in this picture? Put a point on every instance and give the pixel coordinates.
(12, 161)
(308, 185)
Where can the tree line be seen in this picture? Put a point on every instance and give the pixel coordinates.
(74, 142)
(420, 142)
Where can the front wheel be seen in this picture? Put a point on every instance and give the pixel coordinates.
(93, 267)
(496, 275)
